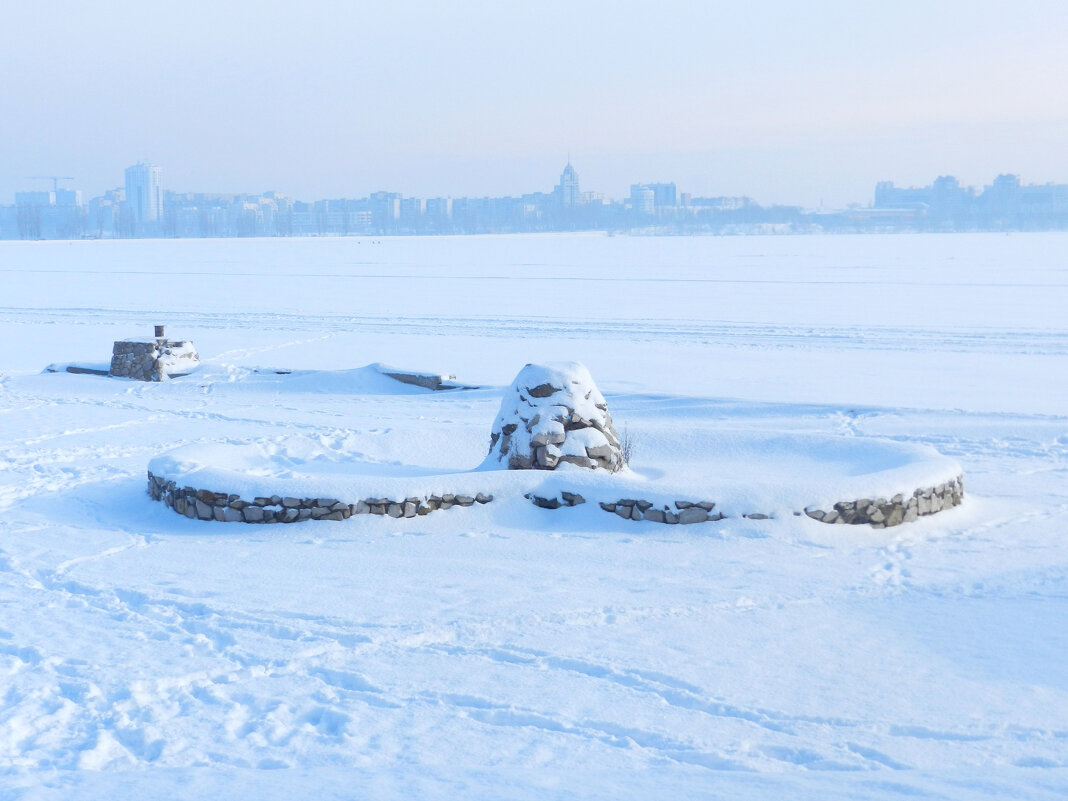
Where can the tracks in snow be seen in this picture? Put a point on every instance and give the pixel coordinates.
(697, 331)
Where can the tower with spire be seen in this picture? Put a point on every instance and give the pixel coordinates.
(567, 191)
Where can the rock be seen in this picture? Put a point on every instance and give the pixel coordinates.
(572, 498)
(654, 515)
(465, 500)
(253, 514)
(693, 514)
(546, 503)
(552, 414)
(395, 510)
(483, 498)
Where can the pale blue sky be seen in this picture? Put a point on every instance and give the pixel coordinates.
(785, 101)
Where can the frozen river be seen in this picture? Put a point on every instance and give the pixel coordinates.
(512, 652)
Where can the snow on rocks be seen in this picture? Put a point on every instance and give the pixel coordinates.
(227, 507)
(153, 359)
(884, 513)
(553, 414)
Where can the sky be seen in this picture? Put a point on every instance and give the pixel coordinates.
(806, 103)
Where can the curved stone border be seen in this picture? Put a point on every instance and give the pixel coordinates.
(684, 512)
(224, 507)
(229, 508)
(883, 513)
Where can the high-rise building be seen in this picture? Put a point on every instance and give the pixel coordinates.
(144, 192)
(664, 196)
(567, 191)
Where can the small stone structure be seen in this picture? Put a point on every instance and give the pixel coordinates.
(553, 414)
(883, 513)
(201, 504)
(153, 359)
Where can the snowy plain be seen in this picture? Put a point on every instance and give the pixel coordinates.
(507, 651)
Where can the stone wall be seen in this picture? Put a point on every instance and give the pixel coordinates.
(201, 504)
(883, 512)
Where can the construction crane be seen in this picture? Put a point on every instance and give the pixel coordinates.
(55, 179)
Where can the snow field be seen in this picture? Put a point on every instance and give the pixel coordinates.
(506, 651)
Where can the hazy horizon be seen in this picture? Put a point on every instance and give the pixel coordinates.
(784, 104)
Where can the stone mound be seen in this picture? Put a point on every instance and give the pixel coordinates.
(552, 414)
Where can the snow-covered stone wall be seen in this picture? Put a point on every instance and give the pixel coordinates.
(202, 504)
(883, 512)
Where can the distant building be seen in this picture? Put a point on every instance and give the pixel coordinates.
(40, 199)
(665, 196)
(642, 200)
(567, 192)
(144, 192)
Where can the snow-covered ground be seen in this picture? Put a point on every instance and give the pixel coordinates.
(505, 651)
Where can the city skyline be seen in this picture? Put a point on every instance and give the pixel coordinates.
(807, 104)
(142, 207)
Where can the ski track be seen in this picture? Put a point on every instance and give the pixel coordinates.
(698, 331)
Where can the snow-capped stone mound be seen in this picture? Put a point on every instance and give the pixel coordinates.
(554, 413)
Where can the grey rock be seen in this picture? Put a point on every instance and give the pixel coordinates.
(693, 514)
